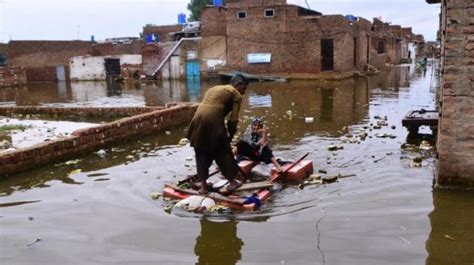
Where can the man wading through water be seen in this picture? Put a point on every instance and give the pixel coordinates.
(208, 135)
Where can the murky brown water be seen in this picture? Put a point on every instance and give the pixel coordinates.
(387, 214)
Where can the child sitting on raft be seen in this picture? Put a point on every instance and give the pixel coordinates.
(254, 145)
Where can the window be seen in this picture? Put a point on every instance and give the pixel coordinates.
(241, 15)
(269, 12)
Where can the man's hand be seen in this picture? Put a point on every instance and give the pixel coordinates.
(231, 128)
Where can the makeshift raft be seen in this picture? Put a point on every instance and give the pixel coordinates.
(257, 191)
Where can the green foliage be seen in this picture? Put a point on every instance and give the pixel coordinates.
(6, 128)
(195, 7)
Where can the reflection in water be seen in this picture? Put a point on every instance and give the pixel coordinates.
(114, 89)
(260, 101)
(327, 104)
(193, 88)
(284, 106)
(99, 94)
(218, 243)
(451, 240)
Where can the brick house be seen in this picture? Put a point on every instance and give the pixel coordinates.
(455, 131)
(272, 37)
(51, 60)
(45, 60)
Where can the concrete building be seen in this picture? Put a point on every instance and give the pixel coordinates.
(456, 124)
(88, 68)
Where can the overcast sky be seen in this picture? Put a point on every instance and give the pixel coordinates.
(68, 19)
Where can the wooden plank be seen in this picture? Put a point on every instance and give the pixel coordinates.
(418, 118)
(213, 195)
(255, 186)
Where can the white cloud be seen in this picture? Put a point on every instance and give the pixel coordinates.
(59, 19)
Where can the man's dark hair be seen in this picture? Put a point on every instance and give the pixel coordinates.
(239, 79)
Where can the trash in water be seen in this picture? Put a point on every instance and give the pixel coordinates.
(101, 153)
(425, 145)
(75, 171)
(416, 162)
(5, 144)
(329, 178)
(36, 241)
(168, 133)
(155, 195)
(449, 237)
(309, 119)
(335, 147)
(72, 162)
(183, 141)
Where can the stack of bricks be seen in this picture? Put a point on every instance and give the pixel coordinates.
(456, 130)
(94, 138)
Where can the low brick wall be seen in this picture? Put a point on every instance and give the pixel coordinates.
(90, 139)
(79, 112)
(12, 76)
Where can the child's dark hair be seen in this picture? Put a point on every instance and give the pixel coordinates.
(257, 121)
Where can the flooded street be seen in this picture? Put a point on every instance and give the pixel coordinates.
(98, 210)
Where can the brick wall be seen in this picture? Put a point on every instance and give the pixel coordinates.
(152, 55)
(247, 3)
(90, 139)
(12, 76)
(78, 112)
(31, 54)
(108, 48)
(213, 22)
(456, 131)
(41, 73)
(293, 40)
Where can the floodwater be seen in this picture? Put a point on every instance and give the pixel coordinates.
(388, 213)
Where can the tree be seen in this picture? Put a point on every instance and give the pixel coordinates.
(196, 6)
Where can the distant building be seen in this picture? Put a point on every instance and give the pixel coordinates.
(51, 60)
(272, 37)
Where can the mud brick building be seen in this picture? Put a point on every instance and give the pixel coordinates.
(45, 60)
(52, 60)
(456, 125)
(273, 37)
(386, 40)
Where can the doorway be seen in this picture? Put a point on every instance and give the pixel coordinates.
(112, 68)
(327, 55)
